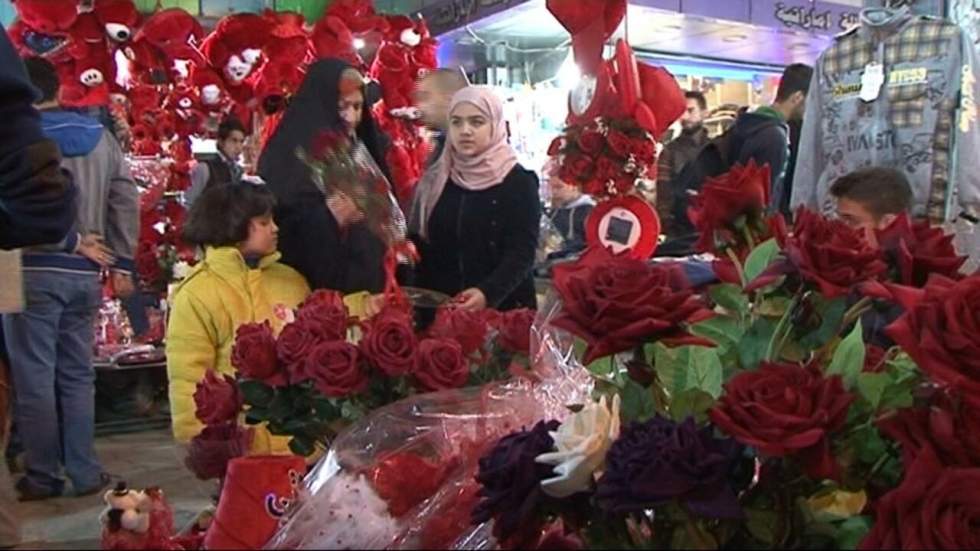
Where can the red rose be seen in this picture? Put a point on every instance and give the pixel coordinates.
(591, 142)
(948, 428)
(295, 343)
(827, 253)
(514, 330)
(441, 365)
(217, 399)
(941, 331)
(405, 479)
(327, 142)
(620, 143)
(325, 315)
(625, 183)
(334, 367)
(216, 445)
(786, 410)
(914, 252)
(741, 194)
(607, 169)
(254, 354)
(645, 151)
(935, 507)
(616, 303)
(580, 168)
(556, 146)
(389, 342)
(467, 328)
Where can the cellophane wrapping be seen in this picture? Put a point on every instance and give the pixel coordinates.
(403, 477)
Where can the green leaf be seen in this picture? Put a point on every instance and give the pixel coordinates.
(256, 393)
(869, 444)
(256, 415)
(688, 367)
(774, 307)
(872, 387)
(281, 406)
(730, 297)
(324, 410)
(832, 315)
(760, 258)
(302, 446)
(637, 402)
(753, 346)
(761, 524)
(852, 531)
(692, 402)
(722, 330)
(848, 360)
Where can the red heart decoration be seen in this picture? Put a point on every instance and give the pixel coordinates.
(591, 23)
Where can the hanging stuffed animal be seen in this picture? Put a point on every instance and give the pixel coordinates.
(183, 102)
(119, 19)
(42, 28)
(288, 53)
(332, 38)
(235, 50)
(165, 37)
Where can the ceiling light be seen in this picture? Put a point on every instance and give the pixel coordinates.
(735, 37)
(359, 43)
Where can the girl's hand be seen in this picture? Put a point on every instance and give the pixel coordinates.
(471, 300)
(93, 248)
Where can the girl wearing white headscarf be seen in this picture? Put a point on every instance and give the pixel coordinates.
(476, 212)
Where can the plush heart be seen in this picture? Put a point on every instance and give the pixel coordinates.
(659, 91)
(591, 23)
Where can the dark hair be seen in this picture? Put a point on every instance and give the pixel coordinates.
(796, 78)
(880, 190)
(44, 77)
(220, 216)
(229, 125)
(699, 97)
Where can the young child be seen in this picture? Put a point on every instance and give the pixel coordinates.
(239, 281)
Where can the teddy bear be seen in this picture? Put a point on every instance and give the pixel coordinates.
(184, 102)
(407, 51)
(288, 54)
(332, 38)
(134, 520)
(119, 19)
(166, 36)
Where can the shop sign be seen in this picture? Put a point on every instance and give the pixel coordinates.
(445, 16)
(814, 16)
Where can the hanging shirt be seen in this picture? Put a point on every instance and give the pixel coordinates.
(918, 115)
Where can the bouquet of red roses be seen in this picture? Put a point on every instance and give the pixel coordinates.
(606, 156)
(327, 369)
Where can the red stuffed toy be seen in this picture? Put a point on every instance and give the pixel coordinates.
(289, 52)
(235, 50)
(43, 28)
(332, 38)
(591, 23)
(119, 19)
(358, 15)
(184, 103)
(166, 36)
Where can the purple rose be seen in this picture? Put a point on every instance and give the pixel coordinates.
(656, 462)
(511, 483)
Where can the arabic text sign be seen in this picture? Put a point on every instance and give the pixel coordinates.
(800, 15)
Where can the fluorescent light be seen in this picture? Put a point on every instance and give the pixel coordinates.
(359, 43)
(568, 74)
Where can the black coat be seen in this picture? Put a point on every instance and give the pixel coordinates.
(310, 240)
(485, 239)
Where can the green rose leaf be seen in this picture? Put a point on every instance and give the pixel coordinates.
(730, 297)
(302, 446)
(256, 393)
(754, 345)
(638, 403)
(851, 531)
(692, 402)
(759, 259)
(848, 360)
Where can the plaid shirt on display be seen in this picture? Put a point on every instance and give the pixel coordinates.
(922, 122)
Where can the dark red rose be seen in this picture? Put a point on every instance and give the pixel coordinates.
(254, 354)
(948, 428)
(591, 142)
(580, 168)
(786, 410)
(940, 330)
(405, 479)
(216, 445)
(467, 328)
(616, 303)
(327, 142)
(441, 365)
(514, 330)
(389, 342)
(325, 315)
(827, 253)
(335, 369)
(625, 183)
(645, 151)
(608, 169)
(914, 252)
(217, 399)
(874, 359)
(556, 146)
(741, 195)
(935, 507)
(620, 143)
(294, 345)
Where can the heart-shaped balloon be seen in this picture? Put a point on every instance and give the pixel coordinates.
(591, 23)
(659, 91)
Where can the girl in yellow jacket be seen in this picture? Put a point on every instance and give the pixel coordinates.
(239, 281)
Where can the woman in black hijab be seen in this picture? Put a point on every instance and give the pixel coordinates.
(324, 238)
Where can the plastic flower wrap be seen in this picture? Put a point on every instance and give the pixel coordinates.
(420, 457)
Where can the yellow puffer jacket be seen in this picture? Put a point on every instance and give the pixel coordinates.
(220, 294)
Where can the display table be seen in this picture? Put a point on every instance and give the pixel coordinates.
(131, 393)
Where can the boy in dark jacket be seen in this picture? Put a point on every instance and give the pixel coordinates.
(50, 344)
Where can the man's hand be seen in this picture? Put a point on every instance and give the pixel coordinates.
(93, 248)
(122, 285)
(471, 300)
(344, 210)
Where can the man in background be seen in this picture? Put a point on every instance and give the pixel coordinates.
(570, 208)
(36, 206)
(432, 96)
(50, 344)
(223, 168)
(871, 199)
(763, 135)
(677, 154)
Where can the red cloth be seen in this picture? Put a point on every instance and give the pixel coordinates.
(257, 490)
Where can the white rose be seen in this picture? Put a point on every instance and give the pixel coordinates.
(582, 442)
